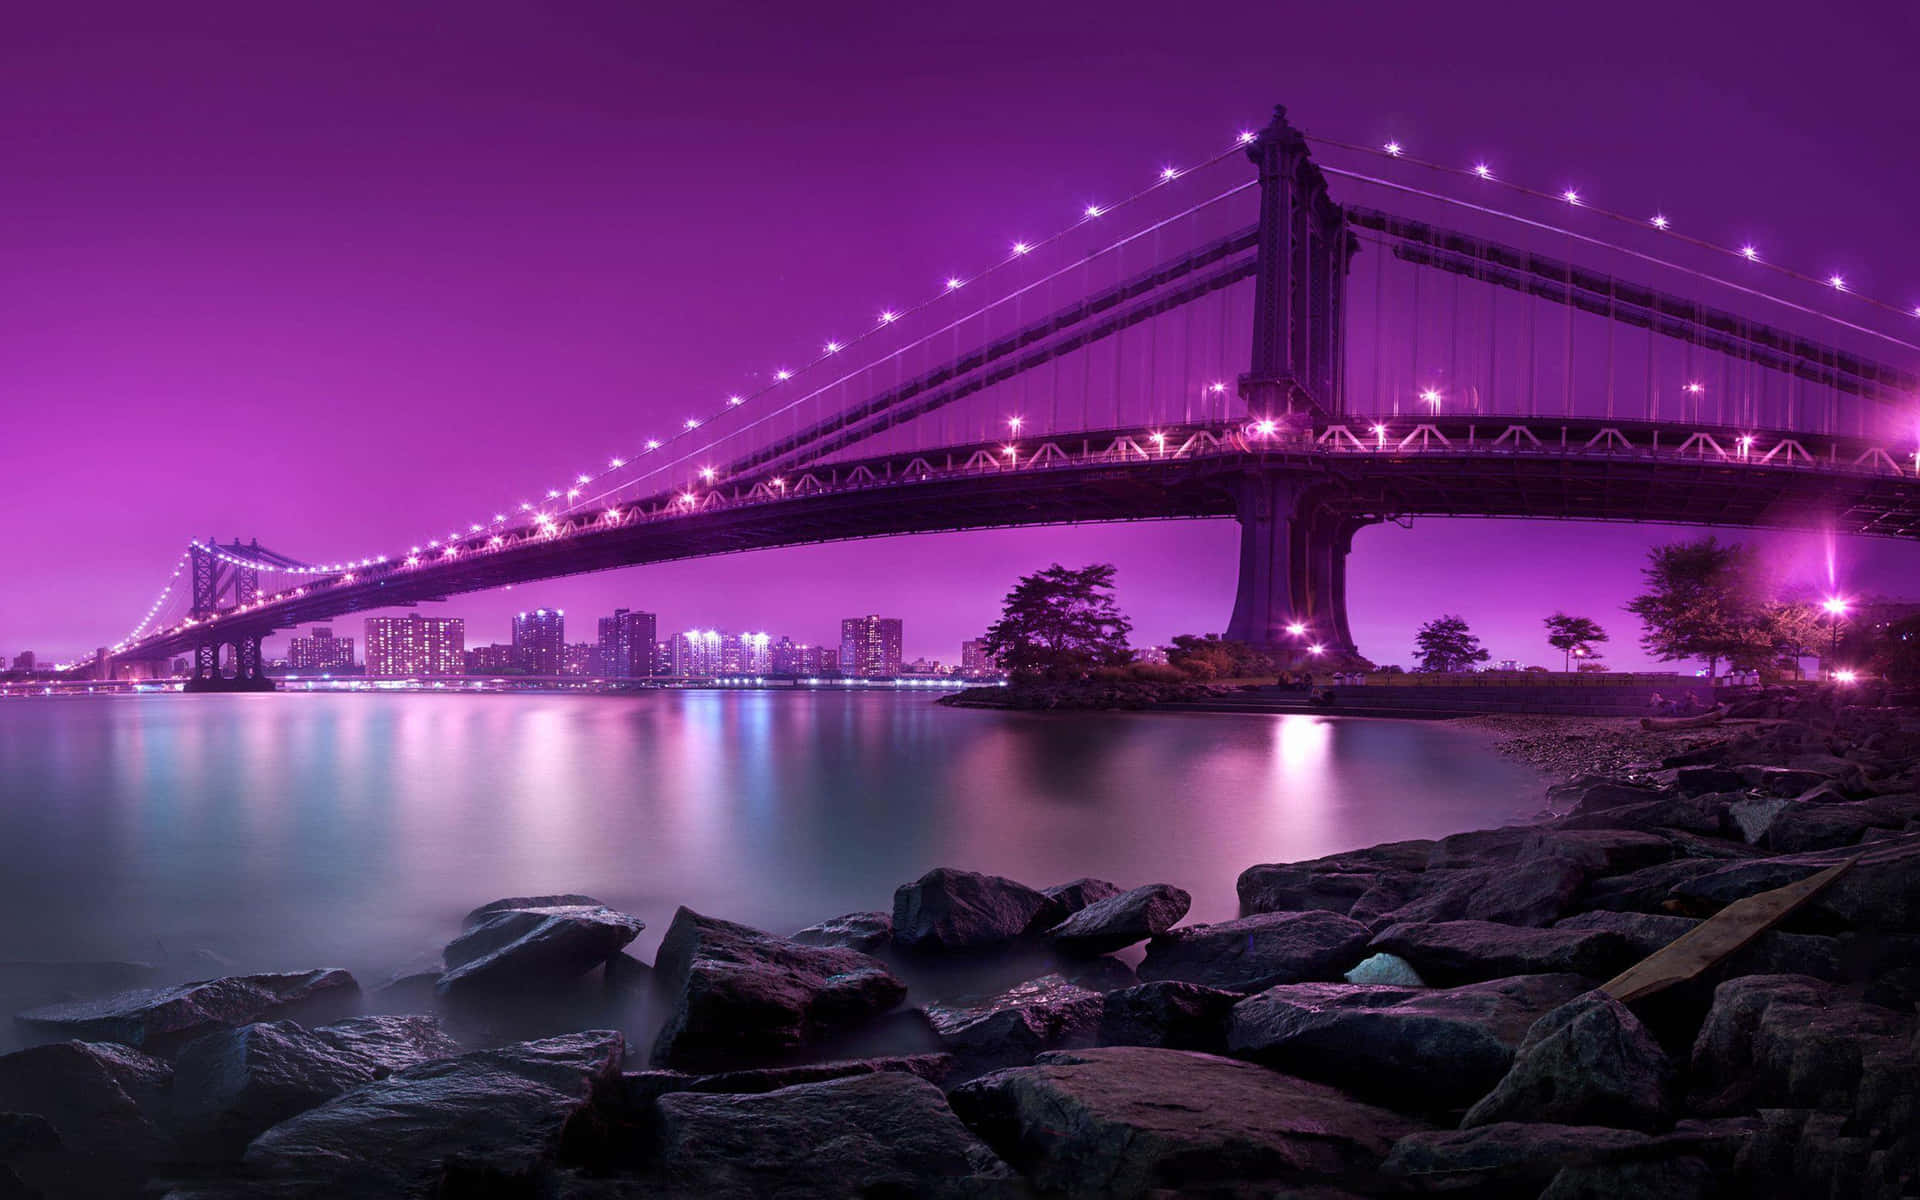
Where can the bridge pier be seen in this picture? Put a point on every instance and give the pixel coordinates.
(249, 663)
(1293, 570)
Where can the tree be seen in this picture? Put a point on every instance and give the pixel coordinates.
(1445, 644)
(1897, 652)
(1792, 630)
(1060, 624)
(1573, 635)
(1703, 600)
(1215, 657)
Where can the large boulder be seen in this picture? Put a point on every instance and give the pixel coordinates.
(235, 1083)
(1588, 1062)
(1332, 883)
(1119, 921)
(1647, 889)
(1513, 1159)
(1772, 953)
(953, 910)
(108, 1103)
(169, 1016)
(1404, 1047)
(1534, 893)
(1802, 827)
(880, 1133)
(867, 932)
(1009, 1028)
(1455, 952)
(1596, 851)
(532, 947)
(1788, 1040)
(1169, 1014)
(494, 1114)
(1257, 952)
(1131, 1121)
(1066, 899)
(509, 903)
(741, 993)
(1880, 892)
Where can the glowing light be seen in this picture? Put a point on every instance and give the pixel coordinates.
(1392, 148)
(1266, 426)
(1696, 388)
(1570, 196)
(1430, 395)
(573, 493)
(1217, 388)
(1094, 210)
(1659, 222)
(1379, 431)
(653, 443)
(1845, 676)
(473, 529)
(617, 463)
(953, 281)
(783, 374)
(1167, 173)
(1296, 629)
(687, 498)
(1483, 170)
(503, 516)
(706, 473)
(1021, 247)
(1009, 451)
(833, 347)
(553, 493)
(413, 560)
(1836, 605)
(449, 552)
(612, 514)
(496, 540)
(780, 483)
(1838, 282)
(1158, 439)
(1316, 648)
(887, 316)
(693, 423)
(1014, 423)
(1750, 254)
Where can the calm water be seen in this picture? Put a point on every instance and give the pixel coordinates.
(290, 831)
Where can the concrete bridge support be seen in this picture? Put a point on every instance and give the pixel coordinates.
(1293, 570)
(246, 667)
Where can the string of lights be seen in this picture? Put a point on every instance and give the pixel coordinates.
(1659, 222)
(153, 610)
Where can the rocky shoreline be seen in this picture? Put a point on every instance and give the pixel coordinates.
(1415, 1018)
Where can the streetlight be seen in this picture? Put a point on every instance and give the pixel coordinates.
(1836, 607)
(1295, 629)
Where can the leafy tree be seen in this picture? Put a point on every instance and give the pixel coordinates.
(1214, 657)
(1445, 644)
(1060, 624)
(1704, 599)
(1897, 652)
(1792, 630)
(1571, 635)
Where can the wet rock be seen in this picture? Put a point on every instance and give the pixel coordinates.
(1066, 899)
(1434, 1049)
(1596, 851)
(933, 1068)
(1647, 889)
(1534, 894)
(739, 992)
(1119, 921)
(1011, 1027)
(169, 1016)
(1694, 814)
(514, 948)
(1331, 884)
(1881, 892)
(1169, 1014)
(107, 1102)
(1599, 797)
(1514, 1158)
(497, 1115)
(1680, 1178)
(1788, 1040)
(386, 1044)
(952, 910)
(562, 900)
(1389, 969)
(1697, 780)
(1478, 847)
(1803, 827)
(26, 1133)
(1127, 1120)
(1257, 952)
(1455, 952)
(1772, 953)
(867, 932)
(878, 1134)
(1588, 1062)
(235, 1083)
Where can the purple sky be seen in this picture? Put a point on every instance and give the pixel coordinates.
(326, 276)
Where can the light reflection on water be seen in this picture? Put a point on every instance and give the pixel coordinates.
(291, 831)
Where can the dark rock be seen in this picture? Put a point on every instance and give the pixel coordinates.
(510, 948)
(1647, 889)
(1011, 1027)
(1697, 780)
(1772, 953)
(1596, 851)
(386, 1044)
(1694, 814)
(1454, 952)
(1533, 894)
(1400, 1046)
(1802, 827)
(172, 1015)
(1602, 796)
(1509, 1159)
(952, 910)
(1169, 1014)
(26, 1133)
(235, 1083)
(1257, 952)
(1276, 888)
(1119, 921)
(1066, 899)
(1778, 1040)
(934, 1068)
(1588, 1062)
(1394, 890)
(740, 992)
(867, 932)
(881, 1134)
(106, 1101)
(1127, 1120)
(498, 1115)
(1679, 1178)
(1478, 848)
(563, 900)
(1880, 892)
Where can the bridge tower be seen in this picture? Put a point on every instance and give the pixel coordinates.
(1294, 539)
(215, 579)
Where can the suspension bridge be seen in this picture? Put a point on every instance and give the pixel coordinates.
(1307, 348)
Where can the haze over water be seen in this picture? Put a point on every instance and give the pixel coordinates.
(287, 832)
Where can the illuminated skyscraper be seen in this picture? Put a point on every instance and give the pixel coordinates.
(320, 651)
(416, 645)
(626, 644)
(540, 641)
(870, 647)
(696, 654)
(974, 659)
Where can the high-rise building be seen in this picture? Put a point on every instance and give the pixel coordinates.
(663, 657)
(320, 651)
(580, 658)
(829, 662)
(540, 641)
(416, 645)
(492, 659)
(974, 659)
(23, 661)
(626, 644)
(870, 647)
(696, 654)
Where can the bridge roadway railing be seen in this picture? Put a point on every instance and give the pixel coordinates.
(1347, 438)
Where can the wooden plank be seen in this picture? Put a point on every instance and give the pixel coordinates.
(1720, 936)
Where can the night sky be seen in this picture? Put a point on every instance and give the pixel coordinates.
(327, 275)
